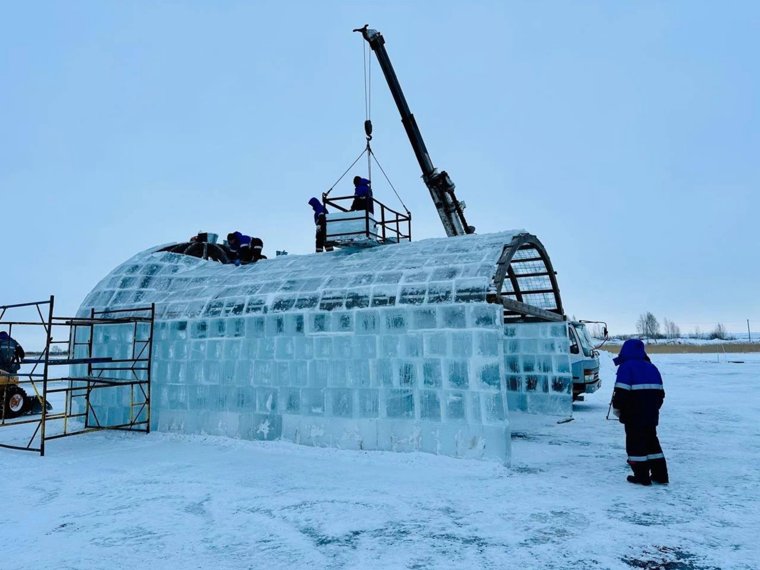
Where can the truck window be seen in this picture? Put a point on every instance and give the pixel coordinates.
(574, 349)
(585, 341)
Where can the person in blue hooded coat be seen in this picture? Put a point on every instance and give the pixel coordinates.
(636, 401)
(245, 249)
(362, 195)
(320, 220)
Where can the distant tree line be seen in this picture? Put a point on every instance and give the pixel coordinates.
(648, 326)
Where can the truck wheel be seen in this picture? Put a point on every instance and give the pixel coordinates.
(15, 402)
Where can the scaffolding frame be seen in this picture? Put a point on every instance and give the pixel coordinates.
(80, 413)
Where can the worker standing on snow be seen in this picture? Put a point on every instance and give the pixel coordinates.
(320, 219)
(362, 195)
(636, 401)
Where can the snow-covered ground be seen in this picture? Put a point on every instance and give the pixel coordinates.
(166, 501)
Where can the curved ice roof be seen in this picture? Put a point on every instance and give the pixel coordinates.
(512, 264)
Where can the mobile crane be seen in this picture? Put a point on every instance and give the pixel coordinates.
(583, 356)
(438, 182)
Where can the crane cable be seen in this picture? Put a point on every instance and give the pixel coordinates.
(367, 60)
(367, 82)
(367, 63)
(372, 154)
(367, 121)
(334, 184)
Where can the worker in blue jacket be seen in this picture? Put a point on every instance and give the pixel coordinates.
(11, 354)
(362, 195)
(320, 220)
(245, 249)
(636, 401)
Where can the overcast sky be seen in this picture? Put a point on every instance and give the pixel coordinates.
(626, 135)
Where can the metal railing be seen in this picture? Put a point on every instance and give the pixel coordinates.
(383, 225)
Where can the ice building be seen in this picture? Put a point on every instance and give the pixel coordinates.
(412, 346)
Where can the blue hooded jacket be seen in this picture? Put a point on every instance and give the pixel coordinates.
(319, 209)
(241, 240)
(638, 391)
(362, 188)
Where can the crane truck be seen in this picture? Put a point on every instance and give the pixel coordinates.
(584, 357)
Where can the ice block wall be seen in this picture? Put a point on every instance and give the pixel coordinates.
(537, 364)
(391, 347)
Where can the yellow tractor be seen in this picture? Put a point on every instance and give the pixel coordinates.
(15, 401)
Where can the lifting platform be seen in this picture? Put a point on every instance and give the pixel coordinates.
(363, 228)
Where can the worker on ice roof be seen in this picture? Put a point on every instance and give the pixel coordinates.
(245, 249)
(362, 195)
(320, 219)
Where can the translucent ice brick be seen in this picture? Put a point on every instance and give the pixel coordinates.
(487, 343)
(341, 402)
(313, 401)
(383, 373)
(319, 373)
(430, 405)
(399, 403)
(453, 317)
(390, 346)
(368, 403)
(436, 344)
(455, 405)
(461, 343)
(412, 345)
(431, 373)
(424, 318)
(493, 405)
(366, 322)
(396, 321)
(359, 374)
(407, 374)
(458, 374)
(490, 376)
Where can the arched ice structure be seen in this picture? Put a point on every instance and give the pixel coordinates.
(397, 347)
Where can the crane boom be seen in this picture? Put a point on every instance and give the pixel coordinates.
(439, 184)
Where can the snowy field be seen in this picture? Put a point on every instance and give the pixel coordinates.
(167, 501)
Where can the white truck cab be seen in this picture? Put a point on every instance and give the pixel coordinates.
(584, 360)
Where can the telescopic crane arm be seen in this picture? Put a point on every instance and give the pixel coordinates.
(439, 184)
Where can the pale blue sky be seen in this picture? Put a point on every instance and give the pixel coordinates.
(626, 135)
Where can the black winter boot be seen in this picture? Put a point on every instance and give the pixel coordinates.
(659, 471)
(640, 473)
(633, 479)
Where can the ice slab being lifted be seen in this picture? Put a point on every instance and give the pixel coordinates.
(356, 228)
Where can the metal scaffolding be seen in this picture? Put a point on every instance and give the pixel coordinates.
(50, 405)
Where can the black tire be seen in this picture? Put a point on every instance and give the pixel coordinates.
(15, 402)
